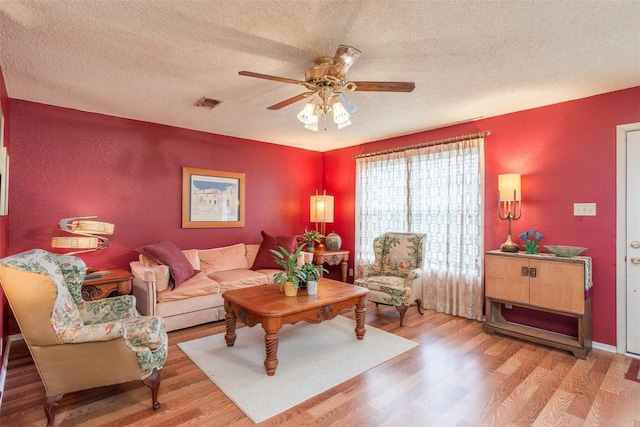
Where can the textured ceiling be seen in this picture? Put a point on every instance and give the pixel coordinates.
(152, 60)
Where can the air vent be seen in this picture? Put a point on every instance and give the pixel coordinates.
(209, 103)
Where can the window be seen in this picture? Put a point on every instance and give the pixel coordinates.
(436, 190)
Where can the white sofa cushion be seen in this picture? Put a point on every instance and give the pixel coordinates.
(192, 257)
(197, 285)
(238, 278)
(224, 258)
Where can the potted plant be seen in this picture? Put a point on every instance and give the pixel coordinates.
(290, 277)
(311, 237)
(312, 273)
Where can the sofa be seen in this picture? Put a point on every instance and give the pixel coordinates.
(194, 297)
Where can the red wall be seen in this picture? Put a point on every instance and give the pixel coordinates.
(4, 220)
(69, 163)
(566, 154)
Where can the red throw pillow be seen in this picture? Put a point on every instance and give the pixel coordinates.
(264, 258)
(168, 254)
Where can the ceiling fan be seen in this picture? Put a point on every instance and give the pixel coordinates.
(328, 79)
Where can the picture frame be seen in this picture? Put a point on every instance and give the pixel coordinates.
(212, 198)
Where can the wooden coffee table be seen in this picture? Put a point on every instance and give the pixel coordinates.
(266, 304)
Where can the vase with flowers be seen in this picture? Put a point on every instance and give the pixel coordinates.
(531, 239)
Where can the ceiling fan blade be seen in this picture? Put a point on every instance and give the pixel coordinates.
(268, 77)
(343, 59)
(289, 101)
(385, 86)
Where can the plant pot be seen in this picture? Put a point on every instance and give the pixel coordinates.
(290, 289)
(312, 287)
(310, 247)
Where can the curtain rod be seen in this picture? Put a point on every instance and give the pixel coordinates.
(424, 144)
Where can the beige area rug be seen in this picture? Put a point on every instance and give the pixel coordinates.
(312, 358)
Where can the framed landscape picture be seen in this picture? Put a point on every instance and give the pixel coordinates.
(212, 198)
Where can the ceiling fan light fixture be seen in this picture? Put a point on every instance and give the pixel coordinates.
(348, 105)
(327, 80)
(307, 114)
(344, 124)
(340, 114)
(313, 125)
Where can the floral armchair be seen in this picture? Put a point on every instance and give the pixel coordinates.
(77, 345)
(395, 277)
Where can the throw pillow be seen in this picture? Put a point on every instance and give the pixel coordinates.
(168, 254)
(264, 259)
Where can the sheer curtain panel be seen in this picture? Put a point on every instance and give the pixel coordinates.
(437, 190)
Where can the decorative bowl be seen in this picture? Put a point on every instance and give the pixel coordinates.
(565, 251)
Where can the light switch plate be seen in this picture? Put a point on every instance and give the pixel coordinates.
(584, 209)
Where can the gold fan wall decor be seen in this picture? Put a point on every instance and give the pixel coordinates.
(328, 79)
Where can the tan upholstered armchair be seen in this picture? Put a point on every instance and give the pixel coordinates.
(395, 277)
(77, 345)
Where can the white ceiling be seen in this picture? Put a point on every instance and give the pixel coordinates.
(152, 60)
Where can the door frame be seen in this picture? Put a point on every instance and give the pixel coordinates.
(621, 234)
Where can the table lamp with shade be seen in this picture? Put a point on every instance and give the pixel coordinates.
(509, 205)
(321, 212)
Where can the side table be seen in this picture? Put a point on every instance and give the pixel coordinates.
(117, 282)
(332, 258)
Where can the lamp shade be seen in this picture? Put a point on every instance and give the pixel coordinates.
(307, 113)
(321, 208)
(89, 230)
(508, 186)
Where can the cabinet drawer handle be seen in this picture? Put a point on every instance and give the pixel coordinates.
(532, 272)
(525, 271)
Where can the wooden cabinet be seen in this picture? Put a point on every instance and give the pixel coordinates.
(544, 283)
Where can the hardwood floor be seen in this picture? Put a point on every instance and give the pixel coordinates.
(457, 376)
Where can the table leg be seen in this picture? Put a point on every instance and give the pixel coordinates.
(271, 345)
(230, 322)
(343, 266)
(361, 314)
(271, 328)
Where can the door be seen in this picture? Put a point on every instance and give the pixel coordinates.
(633, 241)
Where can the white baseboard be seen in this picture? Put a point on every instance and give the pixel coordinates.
(605, 347)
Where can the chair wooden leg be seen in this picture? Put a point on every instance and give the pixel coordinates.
(419, 305)
(153, 382)
(50, 403)
(402, 309)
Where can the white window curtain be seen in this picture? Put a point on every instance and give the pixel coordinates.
(437, 190)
